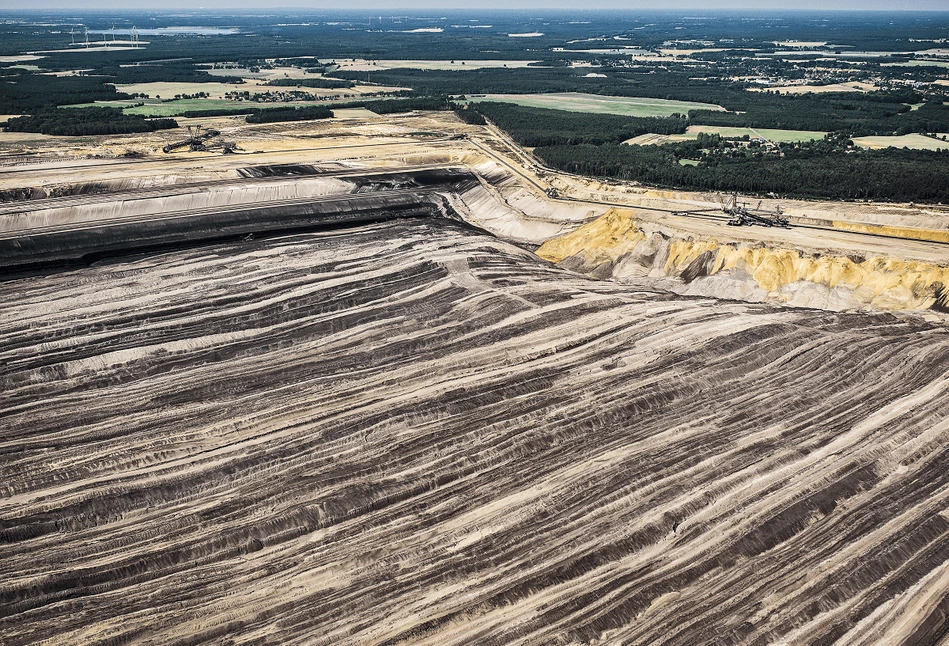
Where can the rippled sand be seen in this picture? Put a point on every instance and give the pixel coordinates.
(415, 433)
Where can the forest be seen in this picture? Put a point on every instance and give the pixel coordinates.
(379, 106)
(22, 91)
(85, 121)
(742, 56)
(342, 33)
(886, 175)
(322, 83)
(832, 168)
(544, 127)
(306, 113)
(875, 113)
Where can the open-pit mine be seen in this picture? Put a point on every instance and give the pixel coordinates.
(392, 381)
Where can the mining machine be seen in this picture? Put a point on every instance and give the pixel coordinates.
(740, 215)
(196, 141)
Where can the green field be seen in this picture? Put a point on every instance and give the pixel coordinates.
(576, 102)
(776, 136)
(915, 141)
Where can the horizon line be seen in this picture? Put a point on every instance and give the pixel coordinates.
(453, 8)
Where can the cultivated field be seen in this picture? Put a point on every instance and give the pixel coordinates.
(689, 52)
(219, 90)
(363, 65)
(914, 141)
(577, 102)
(355, 113)
(856, 86)
(777, 136)
(265, 74)
(168, 89)
(160, 108)
(918, 63)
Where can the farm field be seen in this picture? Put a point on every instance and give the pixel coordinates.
(168, 89)
(913, 141)
(355, 113)
(159, 108)
(856, 86)
(627, 106)
(689, 52)
(917, 63)
(218, 90)
(362, 65)
(777, 136)
(265, 74)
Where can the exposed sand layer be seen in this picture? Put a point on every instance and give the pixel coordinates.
(416, 433)
(620, 246)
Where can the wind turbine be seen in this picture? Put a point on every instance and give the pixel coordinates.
(87, 36)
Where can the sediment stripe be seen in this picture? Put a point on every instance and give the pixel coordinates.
(413, 433)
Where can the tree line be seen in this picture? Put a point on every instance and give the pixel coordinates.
(829, 168)
(897, 175)
(86, 121)
(546, 127)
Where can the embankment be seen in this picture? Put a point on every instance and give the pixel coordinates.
(622, 247)
(72, 229)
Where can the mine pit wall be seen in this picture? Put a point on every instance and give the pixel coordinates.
(619, 247)
(85, 245)
(65, 232)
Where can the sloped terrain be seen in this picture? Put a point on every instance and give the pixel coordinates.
(411, 432)
(618, 245)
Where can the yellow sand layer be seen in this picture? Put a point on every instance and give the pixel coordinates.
(912, 283)
(885, 283)
(897, 232)
(606, 238)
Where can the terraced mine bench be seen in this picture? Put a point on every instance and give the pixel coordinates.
(70, 230)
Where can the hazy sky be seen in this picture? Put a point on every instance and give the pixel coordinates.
(398, 5)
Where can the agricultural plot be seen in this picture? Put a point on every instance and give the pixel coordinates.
(918, 63)
(362, 65)
(770, 134)
(626, 106)
(856, 86)
(355, 113)
(168, 89)
(165, 108)
(913, 141)
(265, 74)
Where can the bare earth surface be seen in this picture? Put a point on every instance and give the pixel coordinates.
(415, 430)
